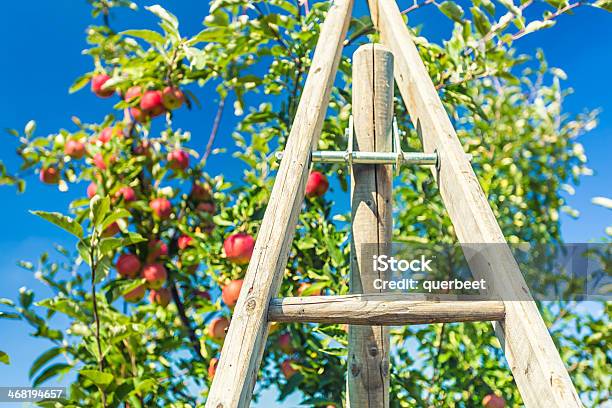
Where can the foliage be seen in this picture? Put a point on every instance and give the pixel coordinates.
(508, 112)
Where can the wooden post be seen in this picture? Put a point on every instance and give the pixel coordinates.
(372, 223)
(243, 347)
(540, 375)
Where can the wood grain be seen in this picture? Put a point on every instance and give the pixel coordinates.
(372, 222)
(381, 309)
(535, 363)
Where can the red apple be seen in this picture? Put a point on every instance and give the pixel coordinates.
(155, 274)
(172, 97)
(97, 82)
(239, 248)
(208, 208)
(138, 114)
(493, 401)
(317, 184)
(92, 188)
(127, 193)
(107, 134)
(304, 286)
(157, 248)
(231, 291)
(200, 192)
(284, 342)
(132, 93)
(151, 103)
(217, 328)
(135, 295)
(74, 149)
(212, 367)
(287, 369)
(111, 230)
(161, 207)
(98, 161)
(160, 296)
(160, 110)
(49, 175)
(128, 265)
(178, 160)
(184, 241)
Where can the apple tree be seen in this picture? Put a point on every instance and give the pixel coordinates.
(163, 239)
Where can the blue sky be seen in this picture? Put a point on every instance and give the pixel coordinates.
(42, 55)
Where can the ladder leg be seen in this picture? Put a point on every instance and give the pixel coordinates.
(372, 222)
(244, 344)
(538, 370)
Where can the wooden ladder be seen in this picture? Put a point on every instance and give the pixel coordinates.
(541, 377)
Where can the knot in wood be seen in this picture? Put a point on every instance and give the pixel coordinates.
(220, 405)
(355, 370)
(373, 350)
(251, 304)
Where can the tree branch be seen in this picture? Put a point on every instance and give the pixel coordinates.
(101, 362)
(364, 31)
(417, 5)
(184, 319)
(277, 35)
(214, 130)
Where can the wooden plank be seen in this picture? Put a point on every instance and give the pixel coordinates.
(372, 221)
(243, 347)
(535, 363)
(381, 309)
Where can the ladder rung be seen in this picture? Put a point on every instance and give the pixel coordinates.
(385, 309)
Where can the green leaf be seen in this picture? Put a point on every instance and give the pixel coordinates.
(152, 37)
(98, 377)
(212, 34)
(83, 247)
(30, 127)
(5, 301)
(602, 201)
(538, 25)
(133, 238)
(481, 21)
(14, 316)
(79, 83)
(110, 244)
(25, 297)
(116, 215)
(43, 359)
(99, 208)
(51, 371)
(165, 15)
(61, 221)
(4, 358)
(604, 4)
(452, 10)
(67, 306)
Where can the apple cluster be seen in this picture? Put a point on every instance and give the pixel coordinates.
(145, 104)
(146, 265)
